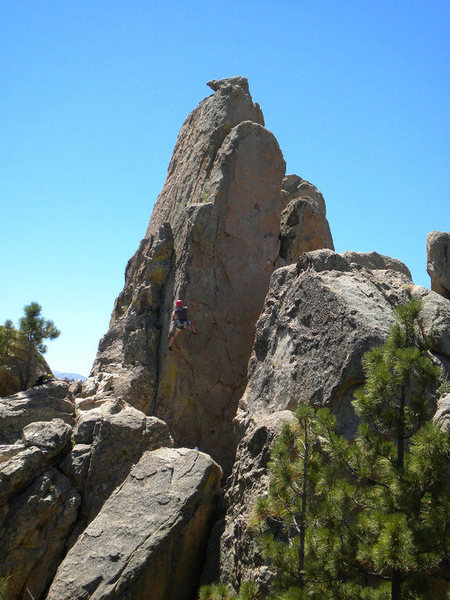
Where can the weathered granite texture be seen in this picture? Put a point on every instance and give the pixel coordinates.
(320, 316)
(212, 240)
(442, 415)
(108, 441)
(42, 403)
(59, 462)
(34, 532)
(304, 226)
(149, 538)
(14, 379)
(38, 505)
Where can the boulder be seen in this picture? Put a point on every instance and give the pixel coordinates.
(43, 443)
(148, 539)
(50, 436)
(303, 223)
(434, 319)
(442, 415)
(34, 532)
(43, 403)
(109, 440)
(438, 262)
(12, 378)
(319, 318)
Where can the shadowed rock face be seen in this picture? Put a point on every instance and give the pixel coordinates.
(304, 226)
(438, 262)
(212, 240)
(320, 316)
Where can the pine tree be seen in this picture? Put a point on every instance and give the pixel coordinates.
(284, 518)
(34, 329)
(223, 591)
(396, 494)
(18, 347)
(366, 519)
(287, 515)
(12, 355)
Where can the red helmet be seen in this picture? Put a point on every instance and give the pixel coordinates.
(179, 303)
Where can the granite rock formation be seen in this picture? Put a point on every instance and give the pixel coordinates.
(38, 504)
(213, 241)
(438, 262)
(12, 379)
(303, 222)
(116, 434)
(98, 498)
(61, 458)
(442, 415)
(149, 537)
(320, 316)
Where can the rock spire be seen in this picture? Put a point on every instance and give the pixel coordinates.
(213, 240)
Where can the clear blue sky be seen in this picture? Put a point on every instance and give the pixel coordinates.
(93, 94)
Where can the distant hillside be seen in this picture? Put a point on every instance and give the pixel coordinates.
(73, 376)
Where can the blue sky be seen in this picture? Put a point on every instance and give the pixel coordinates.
(93, 94)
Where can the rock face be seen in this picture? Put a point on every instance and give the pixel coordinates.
(442, 416)
(304, 226)
(320, 316)
(38, 505)
(34, 534)
(438, 262)
(58, 465)
(112, 434)
(12, 380)
(151, 549)
(43, 403)
(213, 241)
(434, 320)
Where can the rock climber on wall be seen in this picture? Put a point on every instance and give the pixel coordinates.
(181, 321)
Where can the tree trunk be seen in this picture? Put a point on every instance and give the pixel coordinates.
(396, 589)
(28, 364)
(401, 431)
(20, 375)
(301, 547)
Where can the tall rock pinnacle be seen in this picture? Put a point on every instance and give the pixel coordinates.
(213, 239)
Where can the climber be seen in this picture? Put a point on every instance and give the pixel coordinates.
(43, 379)
(181, 321)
